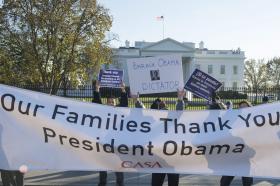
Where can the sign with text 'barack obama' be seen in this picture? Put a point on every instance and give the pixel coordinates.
(155, 74)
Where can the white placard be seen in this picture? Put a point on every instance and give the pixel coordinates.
(155, 74)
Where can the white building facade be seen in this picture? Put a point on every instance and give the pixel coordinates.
(227, 66)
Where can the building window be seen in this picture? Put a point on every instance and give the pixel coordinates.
(234, 84)
(223, 69)
(210, 69)
(235, 69)
(197, 66)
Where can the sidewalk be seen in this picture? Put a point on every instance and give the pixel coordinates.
(80, 178)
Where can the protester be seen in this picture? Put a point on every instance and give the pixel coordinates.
(137, 102)
(186, 101)
(265, 99)
(123, 102)
(158, 178)
(214, 99)
(12, 178)
(229, 105)
(246, 181)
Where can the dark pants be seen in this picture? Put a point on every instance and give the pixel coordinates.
(226, 180)
(12, 178)
(158, 179)
(103, 178)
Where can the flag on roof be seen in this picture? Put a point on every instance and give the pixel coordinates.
(159, 18)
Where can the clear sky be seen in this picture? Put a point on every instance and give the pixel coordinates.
(252, 25)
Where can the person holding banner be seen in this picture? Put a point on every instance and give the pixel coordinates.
(158, 178)
(137, 102)
(13, 178)
(123, 102)
(246, 181)
(229, 105)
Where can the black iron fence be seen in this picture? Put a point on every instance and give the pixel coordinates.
(235, 95)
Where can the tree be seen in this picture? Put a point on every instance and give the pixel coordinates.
(52, 42)
(273, 67)
(255, 74)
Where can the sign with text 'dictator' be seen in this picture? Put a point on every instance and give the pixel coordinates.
(202, 84)
(155, 74)
(110, 78)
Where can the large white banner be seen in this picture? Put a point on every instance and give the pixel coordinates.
(49, 132)
(155, 74)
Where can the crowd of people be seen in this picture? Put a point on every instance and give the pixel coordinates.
(159, 104)
(16, 178)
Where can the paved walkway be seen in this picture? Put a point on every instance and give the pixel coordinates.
(72, 178)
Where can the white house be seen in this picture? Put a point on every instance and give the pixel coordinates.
(227, 66)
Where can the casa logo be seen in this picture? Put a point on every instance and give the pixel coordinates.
(145, 164)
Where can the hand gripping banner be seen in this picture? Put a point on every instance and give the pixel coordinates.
(49, 132)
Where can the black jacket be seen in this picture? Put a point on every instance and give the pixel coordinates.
(123, 100)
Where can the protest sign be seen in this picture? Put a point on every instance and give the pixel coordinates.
(155, 74)
(202, 84)
(110, 78)
(46, 132)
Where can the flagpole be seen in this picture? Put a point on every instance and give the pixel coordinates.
(163, 28)
(161, 18)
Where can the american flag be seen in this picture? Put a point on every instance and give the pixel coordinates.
(160, 18)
